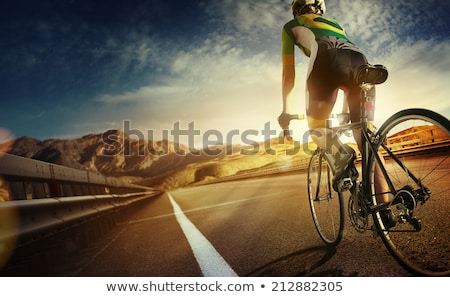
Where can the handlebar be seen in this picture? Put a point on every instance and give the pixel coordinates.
(343, 119)
(284, 119)
(297, 116)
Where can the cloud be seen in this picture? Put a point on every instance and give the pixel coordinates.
(246, 16)
(142, 94)
(376, 26)
(211, 83)
(229, 75)
(419, 74)
(226, 82)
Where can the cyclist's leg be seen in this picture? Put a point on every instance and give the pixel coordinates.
(318, 112)
(321, 96)
(332, 69)
(353, 98)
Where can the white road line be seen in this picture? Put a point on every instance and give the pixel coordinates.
(195, 209)
(210, 261)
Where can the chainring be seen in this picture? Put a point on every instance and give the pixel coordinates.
(359, 218)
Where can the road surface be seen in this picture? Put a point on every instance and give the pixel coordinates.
(256, 227)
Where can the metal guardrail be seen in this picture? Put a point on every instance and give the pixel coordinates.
(44, 199)
(26, 221)
(31, 179)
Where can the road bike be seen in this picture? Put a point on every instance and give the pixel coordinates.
(411, 149)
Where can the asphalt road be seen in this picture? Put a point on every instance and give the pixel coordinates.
(256, 227)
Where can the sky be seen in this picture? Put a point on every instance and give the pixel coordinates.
(74, 67)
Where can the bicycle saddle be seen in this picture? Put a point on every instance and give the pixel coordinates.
(371, 74)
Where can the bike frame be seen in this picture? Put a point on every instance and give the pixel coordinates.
(370, 140)
(369, 144)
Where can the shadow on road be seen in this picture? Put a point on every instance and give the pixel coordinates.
(301, 263)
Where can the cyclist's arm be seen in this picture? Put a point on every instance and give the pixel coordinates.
(288, 76)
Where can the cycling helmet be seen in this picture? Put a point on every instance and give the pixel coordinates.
(317, 5)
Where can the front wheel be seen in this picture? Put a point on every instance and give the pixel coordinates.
(327, 205)
(415, 146)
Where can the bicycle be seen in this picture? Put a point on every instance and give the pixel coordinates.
(412, 150)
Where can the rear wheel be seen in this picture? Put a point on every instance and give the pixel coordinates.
(420, 198)
(327, 205)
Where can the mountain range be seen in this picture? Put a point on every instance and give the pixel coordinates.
(163, 164)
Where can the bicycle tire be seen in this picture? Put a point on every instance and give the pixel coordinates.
(327, 207)
(422, 245)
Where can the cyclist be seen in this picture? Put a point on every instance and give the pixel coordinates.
(332, 60)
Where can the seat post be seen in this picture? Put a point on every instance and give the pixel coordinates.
(367, 76)
(367, 103)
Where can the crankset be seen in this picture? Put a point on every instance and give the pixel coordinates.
(358, 211)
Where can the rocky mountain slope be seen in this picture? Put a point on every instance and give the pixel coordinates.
(162, 164)
(112, 153)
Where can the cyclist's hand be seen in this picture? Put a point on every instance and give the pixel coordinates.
(284, 120)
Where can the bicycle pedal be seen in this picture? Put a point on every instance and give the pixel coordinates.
(353, 174)
(324, 197)
(345, 184)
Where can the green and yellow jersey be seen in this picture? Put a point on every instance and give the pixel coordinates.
(308, 29)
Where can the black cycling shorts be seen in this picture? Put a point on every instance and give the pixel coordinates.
(333, 69)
